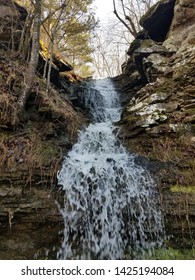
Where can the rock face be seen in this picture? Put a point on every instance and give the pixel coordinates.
(168, 72)
(149, 58)
(181, 34)
(158, 89)
(30, 219)
(162, 15)
(31, 147)
(30, 157)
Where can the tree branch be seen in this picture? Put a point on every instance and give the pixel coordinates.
(121, 20)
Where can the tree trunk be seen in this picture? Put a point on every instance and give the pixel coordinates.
(30, 75)
(24, 46)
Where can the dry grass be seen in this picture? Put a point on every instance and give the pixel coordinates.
(183, 189)
(24, 144)
(11, 82)
(51, 104)
(173, 148)
(29, 152)
(179, 150)
(8, 110)
(48, 102)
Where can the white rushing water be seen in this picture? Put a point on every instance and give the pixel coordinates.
(110, 203)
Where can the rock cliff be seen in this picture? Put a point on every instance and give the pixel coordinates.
(32, 145)
(158, 92)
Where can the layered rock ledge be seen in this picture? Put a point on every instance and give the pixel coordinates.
(157, 88)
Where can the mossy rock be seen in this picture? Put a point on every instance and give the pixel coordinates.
(130, 118)
(191, 111)
(133, 46)
(183, 189)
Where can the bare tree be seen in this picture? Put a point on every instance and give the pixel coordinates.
(30, 75)
(130, 25)
(113, 40)
(108, 56)
(129, 13)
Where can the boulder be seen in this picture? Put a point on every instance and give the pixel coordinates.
(154, 66)
(182, 31)
(140, 52)
(161, 14)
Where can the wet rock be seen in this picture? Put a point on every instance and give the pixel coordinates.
(129, 81)
(32, 212)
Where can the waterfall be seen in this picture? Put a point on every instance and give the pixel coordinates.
(111, 206)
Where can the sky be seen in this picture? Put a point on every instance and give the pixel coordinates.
(113, 50)
(104, 9)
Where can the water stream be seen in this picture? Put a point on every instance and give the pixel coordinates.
(111, 208)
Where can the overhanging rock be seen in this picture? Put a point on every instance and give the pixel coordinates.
(162, 14)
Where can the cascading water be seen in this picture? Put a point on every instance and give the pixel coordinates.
(110, 203)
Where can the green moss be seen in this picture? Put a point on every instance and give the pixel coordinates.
(131, 118)
(134, 45)
(191, 163)
(183, 189)
(147, 43)
(49, 152)
(45, 152)
(191, 111)
(172, 254)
